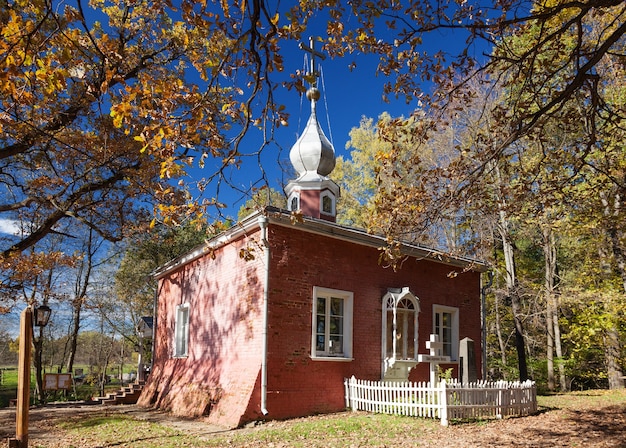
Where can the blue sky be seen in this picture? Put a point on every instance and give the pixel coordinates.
(347, 96)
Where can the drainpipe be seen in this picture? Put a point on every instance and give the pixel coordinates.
(266, 250)
(483, 318)
(155, 306)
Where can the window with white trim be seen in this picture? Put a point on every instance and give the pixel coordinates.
(446, 325)
(293, 202)
(401, 328)
(327, 204)
(181, 331)
(332, 323)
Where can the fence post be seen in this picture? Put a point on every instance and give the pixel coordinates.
(443, 403)
(352, 392)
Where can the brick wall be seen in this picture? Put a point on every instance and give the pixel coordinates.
(218, 377)
(225, 296)
(298, 385)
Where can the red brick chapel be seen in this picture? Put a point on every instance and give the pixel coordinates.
(275, 336)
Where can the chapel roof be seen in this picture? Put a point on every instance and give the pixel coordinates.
(280, 217)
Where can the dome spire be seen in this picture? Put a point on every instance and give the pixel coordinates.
(313, 157)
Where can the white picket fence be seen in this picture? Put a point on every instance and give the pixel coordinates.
(445, 401)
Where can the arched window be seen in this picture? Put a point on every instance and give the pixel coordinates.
(400, 324)
(293, 204)
(328, 204)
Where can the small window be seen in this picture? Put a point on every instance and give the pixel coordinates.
(446, 325)
(294, 204)
(181, 331)
(332, 323)
(327, 204)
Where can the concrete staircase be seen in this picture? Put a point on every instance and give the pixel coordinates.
(126, 395)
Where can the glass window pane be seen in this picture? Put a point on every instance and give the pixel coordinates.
(336, 345)
(181, 331)
(321, 341)
(329, 325)
(336, 325)
(410, 354)
(321, 305)
(336, 306)
(327, 204)
(447, 335)
(399, 340)
(389, 335)
(321, 324)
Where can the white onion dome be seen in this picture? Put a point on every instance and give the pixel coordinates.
(312, 155)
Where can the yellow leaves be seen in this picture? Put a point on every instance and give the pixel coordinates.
(168, 213)
(14, 28)
(120, 112)
(170, 169)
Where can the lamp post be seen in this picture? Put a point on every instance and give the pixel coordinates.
(42, 315)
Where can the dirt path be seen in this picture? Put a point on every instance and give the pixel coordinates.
(43, 420)
(600, 426)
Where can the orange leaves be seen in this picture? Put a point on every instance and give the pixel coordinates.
(247, 253)
(25, 266)
(120, 112)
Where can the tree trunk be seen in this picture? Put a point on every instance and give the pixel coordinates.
(550, 286)
(499, 331)
(612, 338)
(559, 350)
(83, 279)
(512, 294)
(611, 354)
(550, 343)
(73, 337)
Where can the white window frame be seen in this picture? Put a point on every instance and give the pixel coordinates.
(348, 302)
(391, 308)
(181, 333)
(295, 195)
(454, 342)
(328, 195)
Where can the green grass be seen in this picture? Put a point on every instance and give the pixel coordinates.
(344, 429)
(121, 430)
(582, 399)
(8, 388)
(359, 429)
(333, 430)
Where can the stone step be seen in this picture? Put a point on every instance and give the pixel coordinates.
(126, 395)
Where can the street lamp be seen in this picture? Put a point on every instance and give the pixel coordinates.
(42, 315)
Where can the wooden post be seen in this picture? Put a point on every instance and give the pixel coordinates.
(23, 378)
